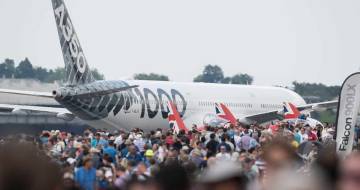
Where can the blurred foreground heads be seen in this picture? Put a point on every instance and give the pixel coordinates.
(350, 172)
(23, 166)
(286, 170)
(224, 175)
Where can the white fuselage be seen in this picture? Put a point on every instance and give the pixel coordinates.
(199, 100)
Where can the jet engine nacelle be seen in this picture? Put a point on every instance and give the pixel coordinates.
(214, 121)
(318, 108)
(18, 111)
(65, 116)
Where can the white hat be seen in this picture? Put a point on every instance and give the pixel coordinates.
(138, 136)
(68, 175)
(108, 174)
(221, 171)
(71, 160)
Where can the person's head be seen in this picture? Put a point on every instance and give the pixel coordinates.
(302, 130)
(242, 156)
(128, 142)
(97, 136)
(194, 126)
(224, 175)
(223, 149)
(279, 154)
(23, 166)
(350, 172)
(120, 170)
(247, 163)
(212, 136)
(149, 154)
(87, 163)
(132, 149)
(172, 176)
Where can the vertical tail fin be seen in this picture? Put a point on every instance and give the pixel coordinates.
(290, 111)
(77, 70)
(224, 112)
(175, 121)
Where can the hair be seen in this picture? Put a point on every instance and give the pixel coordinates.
(279, 143)
(172, 176)
(23, 166)
(86, 160)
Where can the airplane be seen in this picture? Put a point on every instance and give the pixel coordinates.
(129, 104)
(175, 121)
(224, 112)
(291, 113)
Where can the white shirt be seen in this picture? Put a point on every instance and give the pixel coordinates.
(118, 140)
(223, 156)
(237, 140)
(304, 137)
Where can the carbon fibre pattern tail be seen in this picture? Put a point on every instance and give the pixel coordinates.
(77, 70)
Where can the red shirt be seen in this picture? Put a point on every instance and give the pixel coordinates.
(312, 136)
(169, 140)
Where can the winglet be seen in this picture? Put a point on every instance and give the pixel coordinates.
(224, 112)
(175, 121)
(290, 111)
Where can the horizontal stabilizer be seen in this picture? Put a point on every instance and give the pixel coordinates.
(14, 108)
(28, 93)
(104, 92)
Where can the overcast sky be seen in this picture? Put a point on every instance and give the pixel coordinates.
(276, 41)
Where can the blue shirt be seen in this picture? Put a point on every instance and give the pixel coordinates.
(111, 151)
(124, 152)
(136, 158)
(102, 142)
(297, 137)
(86, 178)
(94, 142)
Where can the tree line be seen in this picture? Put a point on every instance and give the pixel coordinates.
(25, 70)
(312, 92)
(210, 74)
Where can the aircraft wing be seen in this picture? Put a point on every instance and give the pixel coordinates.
(263, 117)
(277, 114)
(319, 106)
(61, 112)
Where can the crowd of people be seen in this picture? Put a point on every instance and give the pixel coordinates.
(255, 157)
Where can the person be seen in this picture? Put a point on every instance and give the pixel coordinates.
(85, 176)
(223, 143)
(140, 143)
(95, 141)
(350, 172)
(245, 141)
(247, 166)
(311, 134)
(133, 155)
(297, 136)
(357, 135)
(303, 135)
(224, 175)
(111, 151)
(223, 155)
(212, 145)
(149, 154)
(237, 140)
